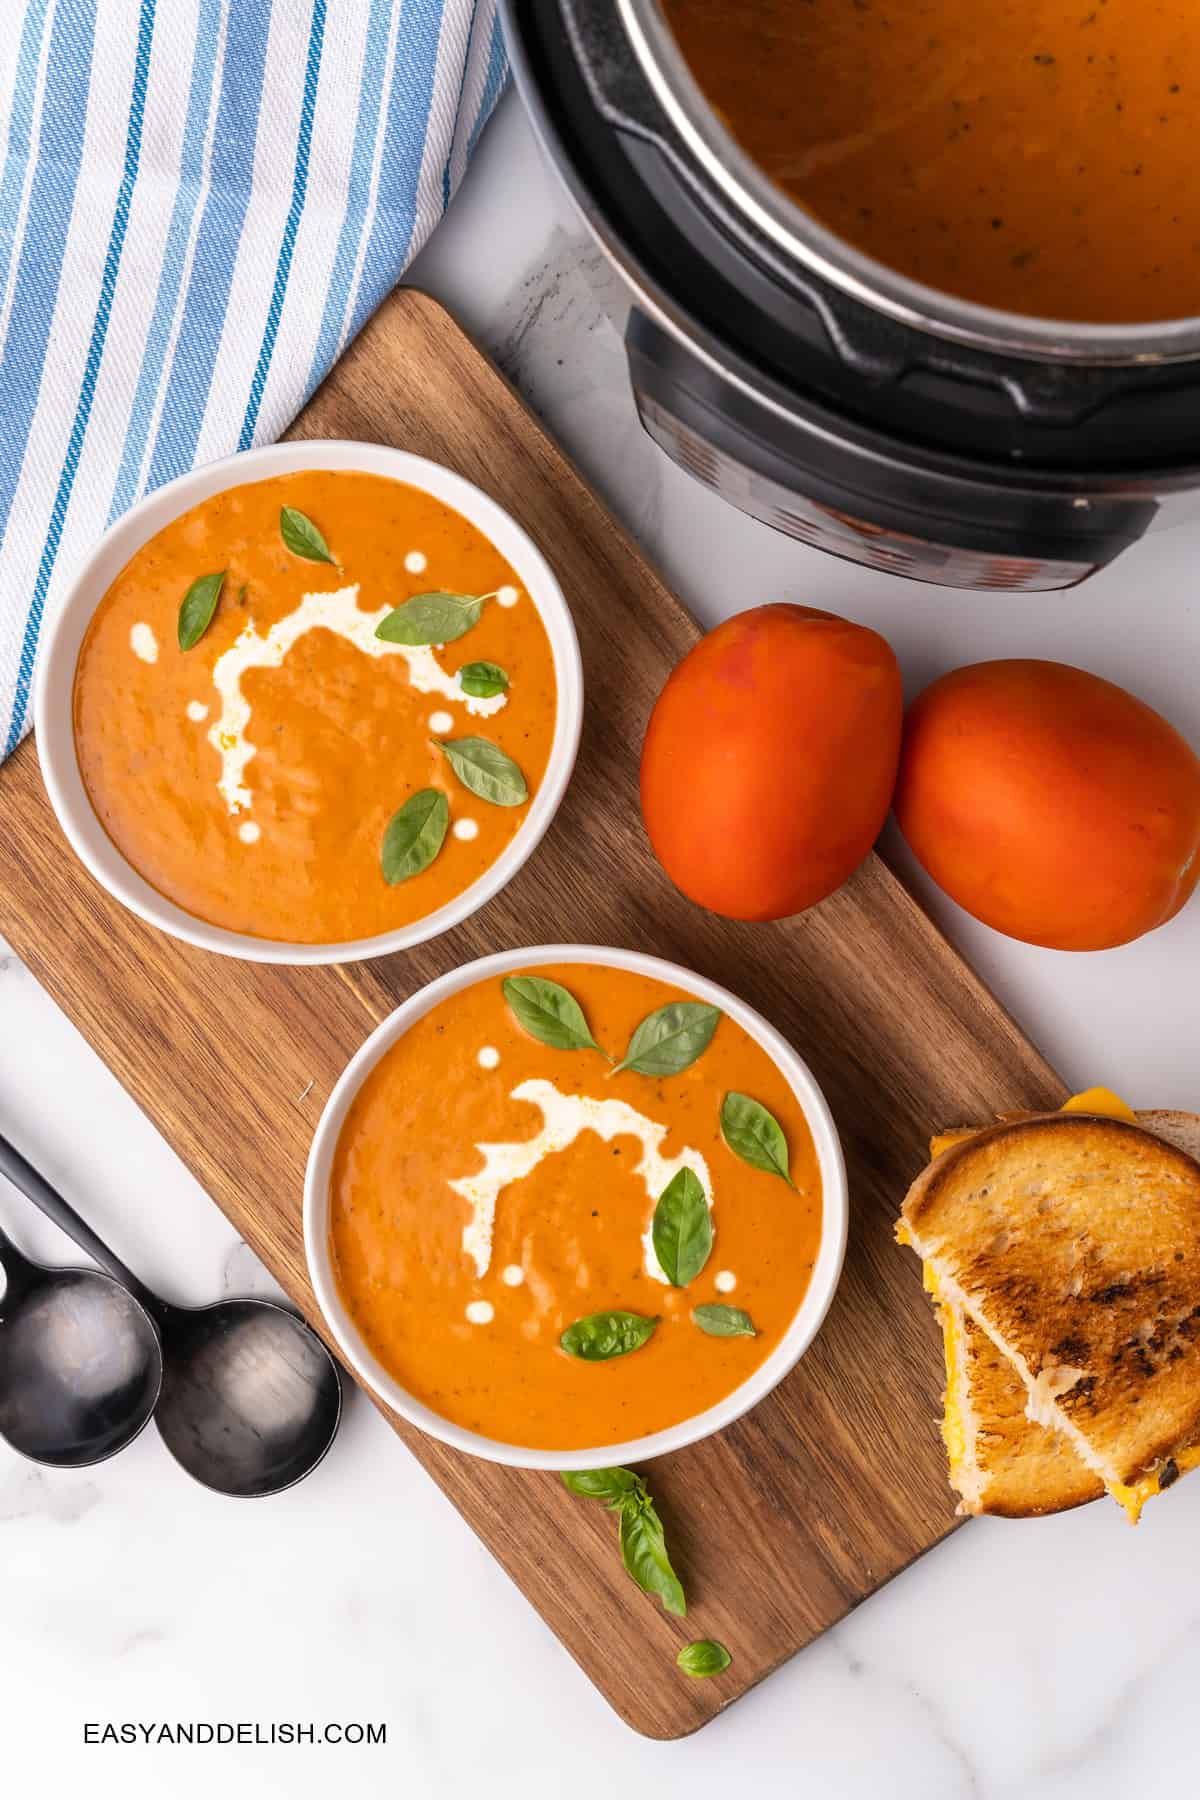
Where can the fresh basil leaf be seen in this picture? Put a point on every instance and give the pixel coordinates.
(703, 1658)
(484, 768)
(414, 835)
(197, 608)
(643, 1542)
(755, 1135)
(601, 1484)
(681, 1231)
(601, 1336)
(724, 1321)
(436, 618)
(482, 680)
(644, 1553)
(301, 536)
(548, 1012)
(670, 1040)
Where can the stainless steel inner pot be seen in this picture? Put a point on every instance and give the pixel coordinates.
(817, 390)
(799, 235)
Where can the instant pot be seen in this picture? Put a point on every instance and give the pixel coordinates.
(830, 397)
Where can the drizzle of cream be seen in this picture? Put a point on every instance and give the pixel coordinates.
(416, 562)
(480, 1312)
(249, 832)
(725, 1282)
(564, 1116)
(466, 829)
(338, 612)
(143, 643)
(441, 722)
(508, 596)
(489, 1057)
(197, 712)
(512, 1275)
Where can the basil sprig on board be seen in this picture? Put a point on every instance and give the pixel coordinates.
(414, 835)
(301, 536)
(703, 1658)
(484, 768)
(599, 1337)
(434, 618)
(670, 1040)
(724, 1321)
(548, 1012)
(643, 1541)
(482, 680)
(681, 1230)
(197, 608)
(755, 1135)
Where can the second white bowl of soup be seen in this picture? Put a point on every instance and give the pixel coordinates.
(315, 702)
(574, 1206)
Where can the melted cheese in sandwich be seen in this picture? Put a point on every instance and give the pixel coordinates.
(1103, 1101)
(1134, 1497)
(954, 1425)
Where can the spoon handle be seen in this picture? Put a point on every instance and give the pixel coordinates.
(35, 1187)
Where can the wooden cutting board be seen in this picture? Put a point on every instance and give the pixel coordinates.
(835, 1482)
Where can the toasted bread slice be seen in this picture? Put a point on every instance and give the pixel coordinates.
(1000, 1461)
(1073, 1244)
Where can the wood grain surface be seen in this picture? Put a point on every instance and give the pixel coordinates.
(837, 1481)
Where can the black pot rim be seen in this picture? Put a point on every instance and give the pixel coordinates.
(672, 315)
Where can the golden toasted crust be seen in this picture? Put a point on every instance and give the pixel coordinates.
(1074, 1241)
(1011, 1467)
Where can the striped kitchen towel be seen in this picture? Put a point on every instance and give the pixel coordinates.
(201, 201)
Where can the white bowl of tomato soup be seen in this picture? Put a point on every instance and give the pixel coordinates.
(574, 1206)
(315, 702)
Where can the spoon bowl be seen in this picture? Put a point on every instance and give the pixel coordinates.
(251, 1397)
(80, 1363)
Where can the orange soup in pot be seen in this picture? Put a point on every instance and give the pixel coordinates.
(1029, 155)
(314, 708)
(557, 1252)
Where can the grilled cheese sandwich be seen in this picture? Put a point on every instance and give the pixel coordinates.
(1018, 1422)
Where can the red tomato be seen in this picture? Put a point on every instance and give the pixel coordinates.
(770, 758)
(1050, 804)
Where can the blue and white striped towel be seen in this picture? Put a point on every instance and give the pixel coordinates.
(201, 201)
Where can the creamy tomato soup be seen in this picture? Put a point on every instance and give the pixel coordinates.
(1026, 154)
(252, 778)
(493, 1196)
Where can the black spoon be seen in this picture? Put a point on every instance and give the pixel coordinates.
(250, 1398)
(81, 1366)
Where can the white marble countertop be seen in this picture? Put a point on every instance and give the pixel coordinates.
(1043, 1660)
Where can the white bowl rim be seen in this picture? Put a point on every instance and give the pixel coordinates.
(63, 635)
(804, 1327)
